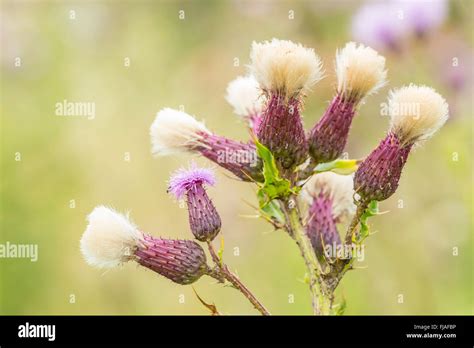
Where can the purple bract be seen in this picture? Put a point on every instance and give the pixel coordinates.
(184, 180)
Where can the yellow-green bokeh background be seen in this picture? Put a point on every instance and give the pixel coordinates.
(189, 62)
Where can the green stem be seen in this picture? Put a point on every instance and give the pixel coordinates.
(350, 238)
(224, 272)
(351, 230)
(308, 170)
(321, 298)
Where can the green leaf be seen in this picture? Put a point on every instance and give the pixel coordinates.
(220, 252)
(273, 186)
(341, 307)
(272, 211)
(372, 209)
(339, 166)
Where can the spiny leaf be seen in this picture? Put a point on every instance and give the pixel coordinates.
(272, 211)
(270, 170)
(372, 209)
(212, 307)
(273, 186)
(339, 166)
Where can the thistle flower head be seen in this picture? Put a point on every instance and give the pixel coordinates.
(175, 131)
(181, 261)
(416, 113)
(244, 95)
(284, 67)
(184, 179)
(281, 131)
(328, 138)
(110, 238)
(378, 175)
(338, 188)
(239, 158)
(360, 71)
(204, 220)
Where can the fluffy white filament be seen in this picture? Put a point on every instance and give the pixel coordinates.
(284, 67)
(416, 113)
(244, 95)
(360, 71)
(110, 238)
(175, 131)
(339, 188)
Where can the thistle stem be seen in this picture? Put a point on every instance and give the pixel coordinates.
(308, 171)
(349, 239)
(355, 222)
(235, 281)
(321, 299)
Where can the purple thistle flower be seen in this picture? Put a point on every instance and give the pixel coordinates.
(378, 175)
(204, 220)
(112, 239)
(285, 71)
(321, 228)
(329, 136)
(416, 113)
(238, 158)
(360, 72)
(255, 121)
(175, 131)
(182, 261)
(330, 200)
(184, 179)
(281, 130)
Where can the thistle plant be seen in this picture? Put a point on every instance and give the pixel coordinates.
(360, 72)
(302, 185)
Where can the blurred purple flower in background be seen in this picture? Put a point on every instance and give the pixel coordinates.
(454, 58)
(378, 25)
(387, 24)
(423, 16)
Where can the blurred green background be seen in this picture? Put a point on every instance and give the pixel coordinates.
(189, 62)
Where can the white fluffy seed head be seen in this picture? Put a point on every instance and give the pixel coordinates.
(360, 71)
(416, 113)
(175, 131)
(339, 188)
(110, 238)
(245, 96)
(284, 67)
